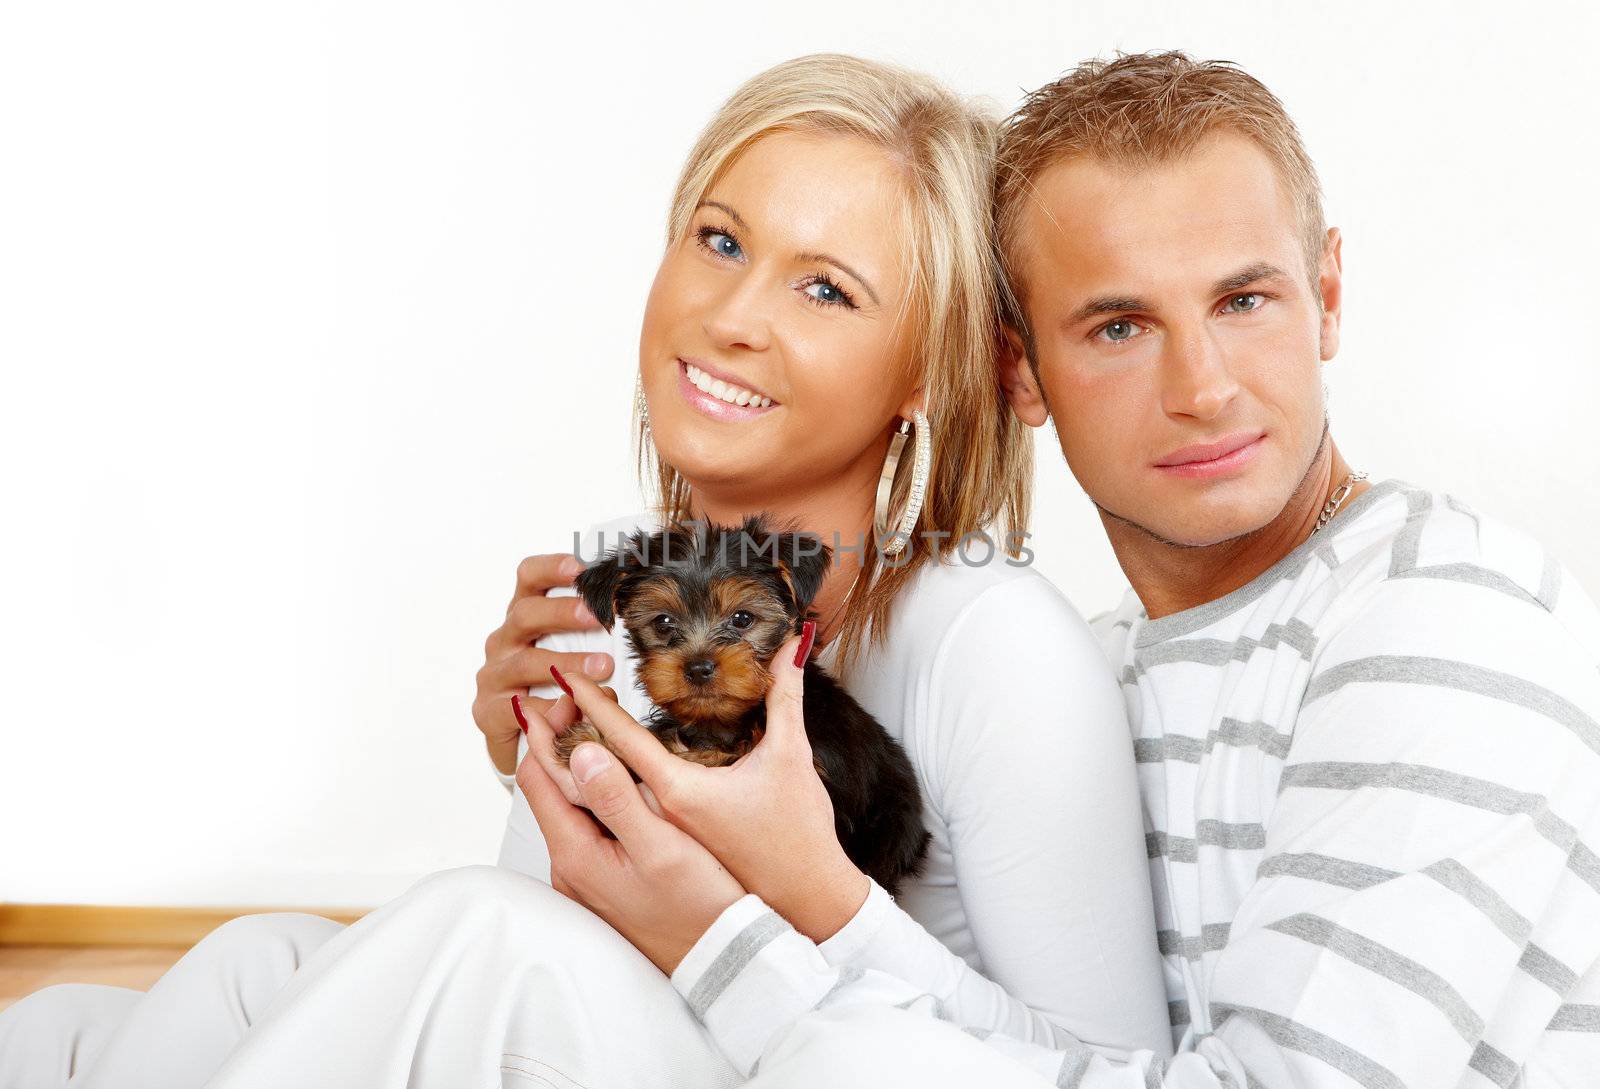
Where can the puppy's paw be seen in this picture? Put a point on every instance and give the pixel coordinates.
(576, 735)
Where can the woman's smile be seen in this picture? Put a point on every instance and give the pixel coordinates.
(712, 394)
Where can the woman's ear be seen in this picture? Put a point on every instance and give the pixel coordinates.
(1019, 382)
(916, 401)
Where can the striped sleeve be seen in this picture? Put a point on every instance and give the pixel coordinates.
(1424, 914)
(751, 976)
(1426, 905)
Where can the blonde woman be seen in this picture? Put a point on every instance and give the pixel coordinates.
(828, 285)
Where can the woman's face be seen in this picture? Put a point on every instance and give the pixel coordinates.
(785, 293)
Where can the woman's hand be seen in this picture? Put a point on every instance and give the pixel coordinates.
(513, 664)
(555, 716)
(653, 883)
(767, 817)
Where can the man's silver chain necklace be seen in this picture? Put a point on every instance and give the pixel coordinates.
(1338, 497)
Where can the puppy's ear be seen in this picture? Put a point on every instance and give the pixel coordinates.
(805, 562)
(597, 584)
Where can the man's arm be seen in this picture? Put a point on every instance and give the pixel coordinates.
(1425, 908)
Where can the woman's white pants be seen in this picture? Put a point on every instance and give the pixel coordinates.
(475, 977)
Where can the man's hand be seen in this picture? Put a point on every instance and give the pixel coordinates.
(513, 664)
(767, 817)
(653, 883)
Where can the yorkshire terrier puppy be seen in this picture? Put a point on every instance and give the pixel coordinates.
(705, 608)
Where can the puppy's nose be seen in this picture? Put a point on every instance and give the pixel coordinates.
(700, 670)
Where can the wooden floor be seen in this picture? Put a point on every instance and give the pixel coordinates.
(26, 968)
(45, 944)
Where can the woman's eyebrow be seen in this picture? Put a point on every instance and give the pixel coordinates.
(842, 267)
(738, 220)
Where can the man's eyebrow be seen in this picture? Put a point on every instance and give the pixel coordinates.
(1245, 277)
(1121, 304)
(1107, 304)
(738, 220)
(846, 269)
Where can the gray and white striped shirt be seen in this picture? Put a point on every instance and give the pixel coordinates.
(1371, 781)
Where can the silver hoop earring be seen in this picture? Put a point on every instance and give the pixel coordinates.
(640, 405)
(921, 465)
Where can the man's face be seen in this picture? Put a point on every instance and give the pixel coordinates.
(1179, 341)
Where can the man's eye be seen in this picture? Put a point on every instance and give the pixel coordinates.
(1119, 330)
(741, 620)
(664, 625)
(1243, 304)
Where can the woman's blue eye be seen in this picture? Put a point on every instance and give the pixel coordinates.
(823, 291)
(724, 244)
(1251, 302)
(1120, 330)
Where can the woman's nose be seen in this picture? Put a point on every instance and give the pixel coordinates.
(740, 317)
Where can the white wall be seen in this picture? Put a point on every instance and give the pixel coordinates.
(316, 317)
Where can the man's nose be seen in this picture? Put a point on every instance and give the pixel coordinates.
(700, 670)
(1196, 380)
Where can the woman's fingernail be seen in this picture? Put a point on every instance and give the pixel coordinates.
(582, 614)
(571, 566)
(516, 709)
(597, 665)
(562, 681)
(588, 760)
(808, 634)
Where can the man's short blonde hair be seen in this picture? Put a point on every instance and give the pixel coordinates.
(1139, 110)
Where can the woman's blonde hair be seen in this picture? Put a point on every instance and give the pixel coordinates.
(982, 471)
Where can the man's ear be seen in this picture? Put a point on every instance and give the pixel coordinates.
(805, 561)
(1018, 381)
(1330, 282)
(597, 584)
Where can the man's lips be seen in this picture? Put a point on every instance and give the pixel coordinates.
(1212, 458)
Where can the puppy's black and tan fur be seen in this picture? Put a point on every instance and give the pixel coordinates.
(705, 609)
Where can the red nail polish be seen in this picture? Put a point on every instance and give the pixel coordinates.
(562, 681)
(516, 709)
(808, 635)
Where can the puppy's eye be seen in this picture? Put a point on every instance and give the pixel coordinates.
(664, 625)
(741, 620)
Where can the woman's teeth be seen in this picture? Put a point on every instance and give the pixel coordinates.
(722, 391)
